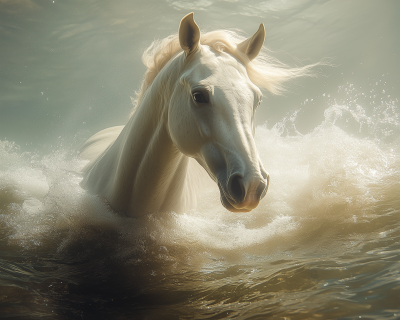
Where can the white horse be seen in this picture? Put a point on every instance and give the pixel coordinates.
(196, 103)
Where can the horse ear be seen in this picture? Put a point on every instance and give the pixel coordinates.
(252, 46)
(189, 34)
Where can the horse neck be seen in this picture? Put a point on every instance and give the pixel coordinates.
(150, 170)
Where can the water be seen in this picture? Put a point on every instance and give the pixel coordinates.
(323, 244)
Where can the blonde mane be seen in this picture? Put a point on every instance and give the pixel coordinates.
(264, 71)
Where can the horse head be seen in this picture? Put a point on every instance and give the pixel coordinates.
(211, 112)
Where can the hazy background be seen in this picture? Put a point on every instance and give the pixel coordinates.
(69, 68)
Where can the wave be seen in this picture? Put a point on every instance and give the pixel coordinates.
(327, 186)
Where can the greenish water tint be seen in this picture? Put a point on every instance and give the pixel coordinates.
(323, 244)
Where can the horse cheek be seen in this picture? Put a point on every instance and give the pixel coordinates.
(183, 130)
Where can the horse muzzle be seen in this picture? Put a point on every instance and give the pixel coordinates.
(241, 177)
(243, 195)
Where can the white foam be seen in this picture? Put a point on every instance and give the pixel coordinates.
(319, 181)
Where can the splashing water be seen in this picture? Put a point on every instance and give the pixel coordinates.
(324, 240)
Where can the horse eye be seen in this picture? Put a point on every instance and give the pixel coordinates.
(198, 97)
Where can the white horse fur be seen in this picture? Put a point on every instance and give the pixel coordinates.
(196, 104)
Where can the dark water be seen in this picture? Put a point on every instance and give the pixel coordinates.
(323, 244)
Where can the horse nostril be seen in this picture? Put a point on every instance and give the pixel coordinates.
(236, 188)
